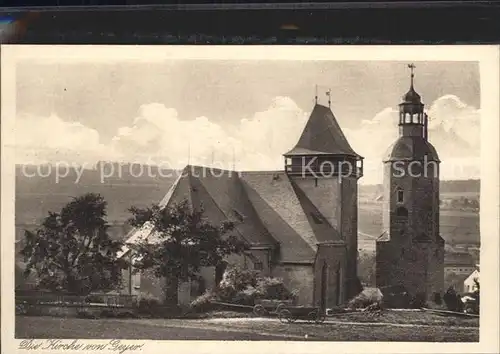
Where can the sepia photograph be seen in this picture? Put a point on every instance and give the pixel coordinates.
(188, 194)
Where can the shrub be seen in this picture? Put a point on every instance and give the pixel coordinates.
(247, 296)
(396, 297)
(95, 299)
(274, 289)
(203, 302)
(367, 297)
(28, 310)
(418, 301)
(147, 303)
(235, 280)
(437, 299)
(453, 301)
(232, 290)
(238, 278)
(241, 286)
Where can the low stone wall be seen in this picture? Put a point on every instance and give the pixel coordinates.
(58, 310)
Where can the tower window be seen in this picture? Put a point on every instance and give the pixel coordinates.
(258, 266)
(399, 195)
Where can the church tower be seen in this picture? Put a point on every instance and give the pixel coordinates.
(410, 252)
(325, 169)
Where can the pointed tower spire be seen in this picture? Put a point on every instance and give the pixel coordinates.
(315, 94)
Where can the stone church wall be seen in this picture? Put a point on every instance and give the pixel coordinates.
(335, 258)
(297, 277)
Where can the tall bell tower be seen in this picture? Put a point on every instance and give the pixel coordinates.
(410, 252)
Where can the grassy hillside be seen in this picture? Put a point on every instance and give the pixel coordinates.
(36, 196)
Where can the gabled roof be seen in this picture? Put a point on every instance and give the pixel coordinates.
(282, 214)
(323, 230)
(146, 231)
(266, 207)
(474, 275)
(223, 197)
(322, 135)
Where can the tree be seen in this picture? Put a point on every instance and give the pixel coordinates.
(72, 251)
(476, 291)
(185, 243)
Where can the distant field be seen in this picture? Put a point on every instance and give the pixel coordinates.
(455, 226)
(35, 197)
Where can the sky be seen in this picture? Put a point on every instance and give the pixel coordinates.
(235, 113)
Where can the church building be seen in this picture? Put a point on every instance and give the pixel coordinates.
(410, 252)
(300, 223)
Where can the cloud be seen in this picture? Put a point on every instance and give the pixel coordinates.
(158, 135)
(452, 117)
(47, 139)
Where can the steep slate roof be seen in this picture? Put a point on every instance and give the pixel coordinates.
(223, 197)
(267, 208)
(322, 135)
(280, 210)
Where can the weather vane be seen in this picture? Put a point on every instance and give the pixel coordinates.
(412, 67)
(329, 94)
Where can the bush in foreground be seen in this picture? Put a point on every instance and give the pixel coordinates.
(204, 302)
(453, 301)
(367, 297)
(243, 287)
(147, 304)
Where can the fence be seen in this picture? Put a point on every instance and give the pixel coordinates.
(47, 298)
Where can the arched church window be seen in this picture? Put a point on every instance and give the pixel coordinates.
(402, 212)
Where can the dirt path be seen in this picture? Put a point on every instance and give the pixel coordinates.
(329, 321)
